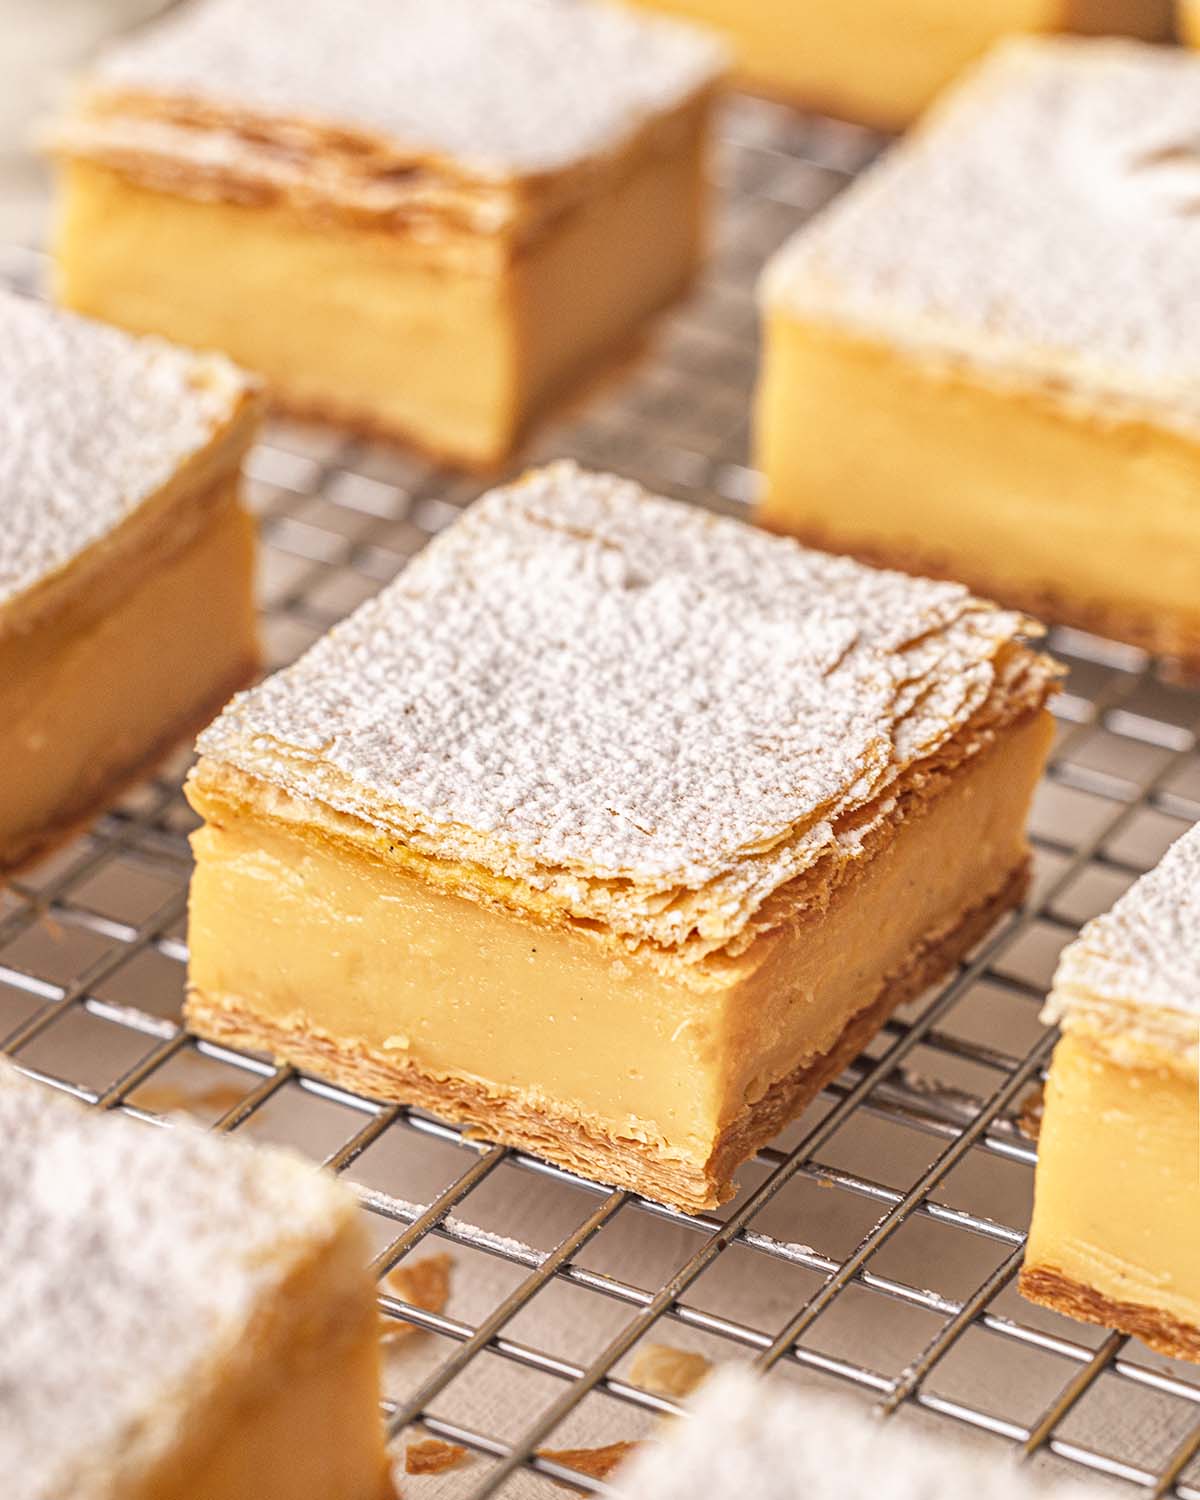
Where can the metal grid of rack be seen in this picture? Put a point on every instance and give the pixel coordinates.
(877, 1243)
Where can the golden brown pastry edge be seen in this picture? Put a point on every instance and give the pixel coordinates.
(1159, 1330)
(508, 209)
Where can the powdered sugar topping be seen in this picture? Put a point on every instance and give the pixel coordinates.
(92, 424)
(1144, 954)
(502, 87)
(620, 700)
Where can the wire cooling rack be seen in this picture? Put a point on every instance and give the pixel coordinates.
(876, 1244)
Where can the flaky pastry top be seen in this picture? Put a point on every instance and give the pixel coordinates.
(1132, 977)
(651, 716)
(93, 423)
(386, 105)
(133, 1260)
(1042, 226)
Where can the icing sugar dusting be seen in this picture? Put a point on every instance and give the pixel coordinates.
(1145, 951)
(92, 424)
(747, 1436)
(579, 685)
(131, 1258)
(502, 86)
(1046, 219)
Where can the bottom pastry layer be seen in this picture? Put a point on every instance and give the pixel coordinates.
(1156, 1328)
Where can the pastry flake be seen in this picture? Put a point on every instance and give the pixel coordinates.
(597, 1463)
(664, 1370)
(425, 1283)
(432, 1456)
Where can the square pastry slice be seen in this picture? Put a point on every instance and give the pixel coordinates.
(183, 1317)
(1115, 1237)
(883, 61)
(613, 828)
(126, 561)
(421, 220)
(746, 1436)
(982, 361)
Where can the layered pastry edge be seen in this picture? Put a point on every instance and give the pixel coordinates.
(675, 929)
(631, 1151)
(1140, 626)
(331, 175)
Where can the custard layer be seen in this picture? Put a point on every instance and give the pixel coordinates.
(449, 340)
(1117, 1217)
(121, 669)
(313, 946)
(1075, 517)
(883, 61)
